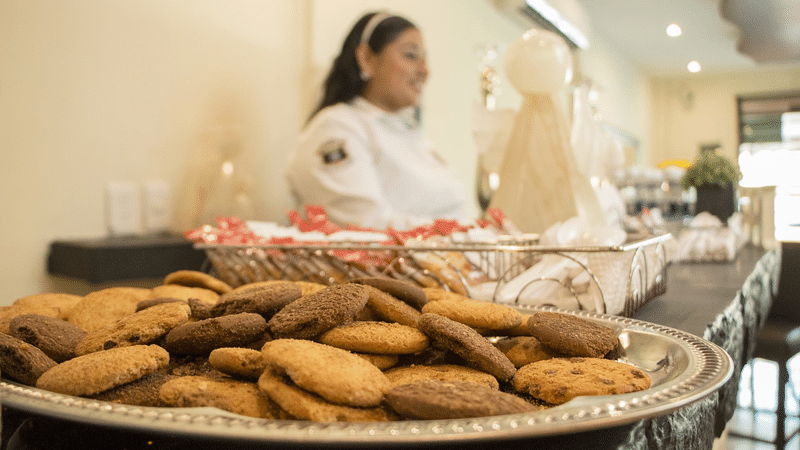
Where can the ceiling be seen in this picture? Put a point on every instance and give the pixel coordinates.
(722, 35)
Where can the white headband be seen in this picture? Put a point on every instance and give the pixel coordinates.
(374, 21)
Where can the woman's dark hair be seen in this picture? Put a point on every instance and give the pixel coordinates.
(344, 80)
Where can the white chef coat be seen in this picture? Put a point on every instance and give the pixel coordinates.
(371, 168)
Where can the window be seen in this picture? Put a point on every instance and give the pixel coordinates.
(760, 116)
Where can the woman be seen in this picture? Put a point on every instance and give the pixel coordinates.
(363, 156)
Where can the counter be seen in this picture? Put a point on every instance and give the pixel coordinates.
(123, 258)
(724, 303)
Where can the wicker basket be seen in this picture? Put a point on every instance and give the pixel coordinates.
(622, 278)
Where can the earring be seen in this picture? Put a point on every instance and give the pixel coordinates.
(364, 76)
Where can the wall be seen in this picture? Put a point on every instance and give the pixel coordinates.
(93, 91)
(624, 100)
(698, 109)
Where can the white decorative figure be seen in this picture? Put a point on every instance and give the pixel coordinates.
(539, 182)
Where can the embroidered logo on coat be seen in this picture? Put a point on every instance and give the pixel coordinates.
(333, 151)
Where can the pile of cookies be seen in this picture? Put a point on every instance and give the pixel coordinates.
(373, 349)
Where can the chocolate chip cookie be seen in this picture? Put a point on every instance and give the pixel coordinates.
(99, 371)
(376, 337)
(559, 380)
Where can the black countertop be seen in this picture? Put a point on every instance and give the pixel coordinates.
(725, 303)
(697, 293)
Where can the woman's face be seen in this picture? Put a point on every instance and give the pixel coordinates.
(398, 72)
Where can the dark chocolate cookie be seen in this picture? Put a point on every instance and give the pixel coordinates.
(572, 335)
(433, 399)
(387, 307)
(265, 300)
(55, 337)
(468, 344)
(196, 338)
(141, 392)
(144, 304)
(403, 290)
(316, 313)
(22, 361)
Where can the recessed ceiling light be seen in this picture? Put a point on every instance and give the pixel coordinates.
(674, 30)
(694, 66)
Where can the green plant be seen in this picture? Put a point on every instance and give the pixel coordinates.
(710, 168)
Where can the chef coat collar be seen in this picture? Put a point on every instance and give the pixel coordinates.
(404, 119)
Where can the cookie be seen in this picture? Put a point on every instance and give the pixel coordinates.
(103, 307)
(55, 337)
(307, 287)
(522, 350)
(468, 344)
(143, 327)
(440, 372)
(22, 361)
(376, 337)
(144, 304)
(304, 405)
(203, 336)
(334, 374)
(382, 362)
(572, 335)
(138, 292)
(237, 361)
(402, 290)
(258, 343)
(434, 294)
(195, 278)
(265, 300)
(100, 371)
(200, 309)
(236, 396)
(387, 307)
(434, 355)
(367, 314)
(521, 329)
(433, 400)
(476, 314)
(193, 365)
(559, 380)
(314, 314)
(141, 392)
(58, 300)
(206, 296)
(7, 313)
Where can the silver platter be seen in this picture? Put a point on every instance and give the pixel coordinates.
(683, 369)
